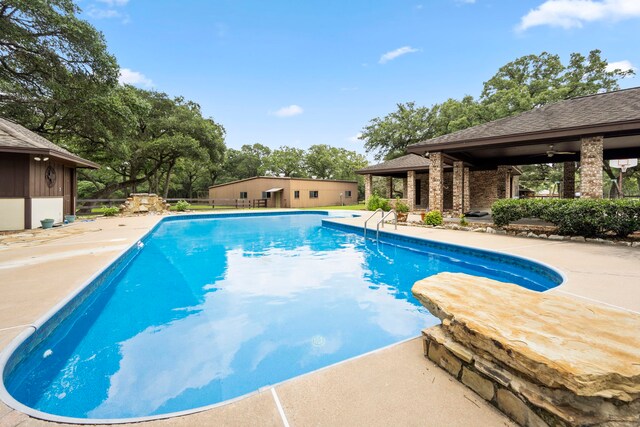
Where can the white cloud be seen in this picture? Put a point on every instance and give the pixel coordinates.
(389, 56)
(355, 139)
(291, 110)
(136, 78)
(96, 13)
(466, 1)
(574, 13)
(624, 65)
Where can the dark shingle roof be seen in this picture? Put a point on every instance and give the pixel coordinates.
(587, 111)
(407, 162)
(16, 137)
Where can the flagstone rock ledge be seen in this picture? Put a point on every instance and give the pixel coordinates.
(542, 359)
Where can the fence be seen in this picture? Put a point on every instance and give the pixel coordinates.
(85, 206)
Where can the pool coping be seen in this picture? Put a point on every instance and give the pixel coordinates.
(21, 338)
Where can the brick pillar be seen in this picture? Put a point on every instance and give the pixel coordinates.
(390, 187)
(368, 185)
(436, 181)
(591, 153)
(458, 190)
(504, 186)
(466, 191)
(569, 180)
(410, 195)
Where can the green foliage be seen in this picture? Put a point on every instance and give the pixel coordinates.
(463, 221)
(110, 210)
(400, 206)
(182, 206)
(376, 202)
(288, 161)
(581, 217)
(528, 82)
(433, 218)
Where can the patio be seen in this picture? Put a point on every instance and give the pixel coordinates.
(394, 385)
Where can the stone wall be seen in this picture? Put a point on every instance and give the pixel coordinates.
(436, 166)
(424, 190)
(591, 167)
(141, 203)
(447, 193)
(542, 359)
(483, 189)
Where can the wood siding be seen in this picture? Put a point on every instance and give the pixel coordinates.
(14, 175)
(38, 183)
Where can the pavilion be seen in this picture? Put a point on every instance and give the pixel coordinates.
(472, 168)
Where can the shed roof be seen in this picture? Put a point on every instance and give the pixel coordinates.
(593, 114)
(18, 139)
(407, 162)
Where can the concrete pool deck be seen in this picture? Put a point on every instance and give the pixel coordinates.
(396, 385)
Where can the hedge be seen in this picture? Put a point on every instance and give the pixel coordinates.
(580, 217)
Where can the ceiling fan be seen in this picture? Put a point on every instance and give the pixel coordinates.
(551, 152)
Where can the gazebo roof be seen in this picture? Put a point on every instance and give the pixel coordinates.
(15, 138)
(400, 164)
(518, 139)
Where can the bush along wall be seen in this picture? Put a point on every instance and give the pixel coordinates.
(578, 217)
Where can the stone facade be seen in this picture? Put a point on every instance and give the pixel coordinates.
(458, 190)
(503, 182)
(424, 190)
(484, 190)
(368, 186)
(143, 203)
(569, 180)
(410, 194)
(466, 198)
(447, 190)
(542, 359)
(591, 155)
(436, 195)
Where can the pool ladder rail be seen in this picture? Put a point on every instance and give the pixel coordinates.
(381, 221)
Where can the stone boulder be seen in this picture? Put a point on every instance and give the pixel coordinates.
(565, 361)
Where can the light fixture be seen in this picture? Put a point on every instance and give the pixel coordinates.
(37, 159)
(45, 159)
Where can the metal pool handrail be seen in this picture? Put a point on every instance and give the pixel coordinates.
(372, 215)
(395, 222)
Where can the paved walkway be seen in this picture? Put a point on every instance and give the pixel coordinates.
(393, 386)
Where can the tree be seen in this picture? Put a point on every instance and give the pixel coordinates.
(247, 162)
(288, 161)
(536, 80)
(326, 162)
(51, 63)
(389, 136)
(528, 82)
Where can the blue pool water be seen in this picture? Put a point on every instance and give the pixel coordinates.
(212, 309)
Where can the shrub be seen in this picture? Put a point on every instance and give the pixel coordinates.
(110, 210)
(375, 202)
(400, 206)
(582, 217)
(433, 218)
(182, 206)
(463, 221)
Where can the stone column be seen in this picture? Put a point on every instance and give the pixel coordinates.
(436, 181)
(390, 187)
(410, 195)
(591, 153)
(405, 187)
(504, 186)
(466, 196)
(458, 190)
(569, 180)
(368, 185)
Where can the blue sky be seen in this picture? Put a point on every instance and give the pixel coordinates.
(301, 72)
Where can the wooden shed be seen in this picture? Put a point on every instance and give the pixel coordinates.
(37, 178)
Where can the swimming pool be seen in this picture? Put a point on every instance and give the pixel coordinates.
(209, 308)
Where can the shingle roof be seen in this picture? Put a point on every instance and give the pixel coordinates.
(605, 108)
(15, 136)
(407, 162)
